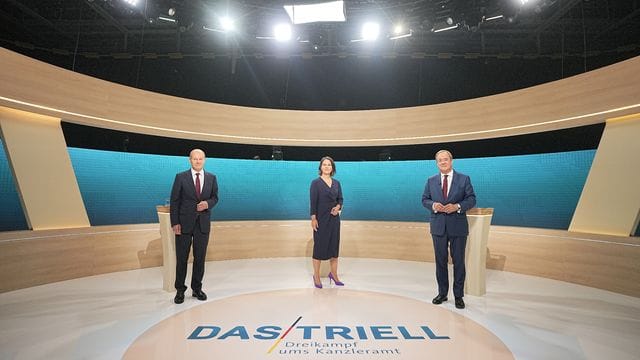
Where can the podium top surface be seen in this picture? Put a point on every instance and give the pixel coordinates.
(162, 208)
(480, 211)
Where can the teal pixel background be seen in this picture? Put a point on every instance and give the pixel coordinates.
(540, 190)
(11, 214)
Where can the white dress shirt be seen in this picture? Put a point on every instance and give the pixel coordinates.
(449, 180)
(193, 176)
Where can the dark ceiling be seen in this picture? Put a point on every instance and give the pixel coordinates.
(113, 28)
(534, 42)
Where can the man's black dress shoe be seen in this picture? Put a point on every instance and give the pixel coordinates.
(179, 299)
(199, 294)
(459, 303)
(439, 299)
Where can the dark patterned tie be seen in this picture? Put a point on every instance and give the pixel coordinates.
(198, 185)
(445, 187)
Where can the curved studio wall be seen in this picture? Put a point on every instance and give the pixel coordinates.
(584, 99)
(375, 191)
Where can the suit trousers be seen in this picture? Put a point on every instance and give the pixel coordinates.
(200, 240)
(456, 244)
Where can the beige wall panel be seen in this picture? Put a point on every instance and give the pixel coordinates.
(29, 258)
(593, 266)
(114, 252)
(28, 263)
(264, 239)
(293, 239)
(42, 170)
(579, 100)
(610, 200)
(515, 252)
(386, 240)
(601, 261)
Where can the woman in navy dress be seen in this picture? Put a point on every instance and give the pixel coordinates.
(326, 203)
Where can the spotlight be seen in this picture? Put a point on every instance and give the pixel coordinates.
(276, 153)
(171, 11)
(399, 32)
(370, 31)
(308, 13)
(282, 32)
(131, 2)
(227, 23)
(384, 155)
(317, 39)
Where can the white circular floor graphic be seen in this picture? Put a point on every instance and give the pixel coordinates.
(317, 324)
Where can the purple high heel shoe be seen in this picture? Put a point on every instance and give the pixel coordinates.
(331, 278)
(317, 285)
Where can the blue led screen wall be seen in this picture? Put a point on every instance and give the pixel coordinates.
(540, 190)
(11, 214)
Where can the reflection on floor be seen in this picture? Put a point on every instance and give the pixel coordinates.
(100, 317)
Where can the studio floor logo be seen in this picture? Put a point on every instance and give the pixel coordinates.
(327, 339)
(322, 324)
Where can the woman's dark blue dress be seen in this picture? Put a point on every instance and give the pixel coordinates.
(326, 241)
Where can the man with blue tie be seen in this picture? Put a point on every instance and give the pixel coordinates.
(194, 194)
(448, 195)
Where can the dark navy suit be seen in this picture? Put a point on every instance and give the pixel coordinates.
(449, 230)
(195, 225)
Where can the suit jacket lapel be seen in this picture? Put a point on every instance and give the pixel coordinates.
(438, 197)
(454, 189)
(206, 187)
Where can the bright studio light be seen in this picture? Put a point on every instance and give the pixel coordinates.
(131, 2)
(370, 31)
(282, 32)
(399, 32)
(326, 11)
(227, 23)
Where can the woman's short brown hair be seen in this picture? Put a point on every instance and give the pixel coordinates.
(333, 165)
